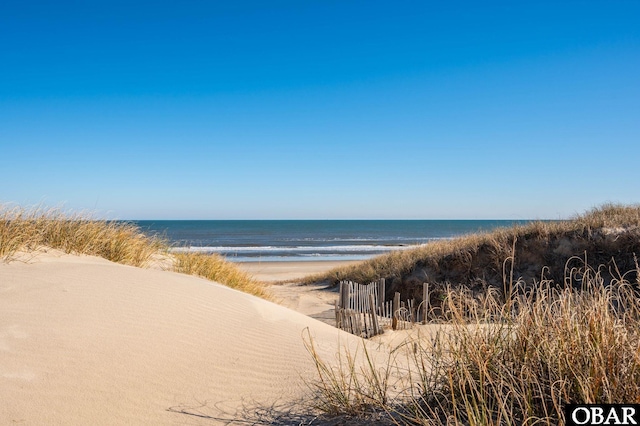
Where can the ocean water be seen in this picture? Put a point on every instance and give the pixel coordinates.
(300, 240)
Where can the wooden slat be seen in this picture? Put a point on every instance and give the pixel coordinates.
(395, 309)
(425, 302)
(374, 317)
(361, 309)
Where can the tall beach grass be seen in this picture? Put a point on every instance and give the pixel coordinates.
(534, 251)
(496, 363)
(25, 230)
(215, 268)
(522, 325)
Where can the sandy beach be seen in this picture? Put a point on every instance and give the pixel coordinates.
(87, 341)
(316, 301)
(288, 271)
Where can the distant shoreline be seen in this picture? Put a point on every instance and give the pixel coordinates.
(307, 240)
(289, 270)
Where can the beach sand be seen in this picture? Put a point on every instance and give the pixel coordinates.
(316, 301)
(288, 271)
(87, 341)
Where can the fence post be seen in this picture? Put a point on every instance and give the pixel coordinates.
(345, 295)
(395, 308)
(381, 293)
(425, 302)
(374, 316)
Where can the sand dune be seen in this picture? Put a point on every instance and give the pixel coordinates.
(87, 341)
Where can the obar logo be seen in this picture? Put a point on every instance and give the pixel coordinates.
(602, 414)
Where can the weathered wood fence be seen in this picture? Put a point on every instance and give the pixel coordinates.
(361, 309)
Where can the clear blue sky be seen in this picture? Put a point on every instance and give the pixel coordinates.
(320, 109)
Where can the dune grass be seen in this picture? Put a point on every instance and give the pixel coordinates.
(28, 230)
(604, 232)
(512, 345)
(215, 268)
(77, 233)
(494, 365)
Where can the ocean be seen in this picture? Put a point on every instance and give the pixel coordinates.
(308, 240)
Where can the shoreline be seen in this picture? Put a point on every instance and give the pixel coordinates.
(272, 272)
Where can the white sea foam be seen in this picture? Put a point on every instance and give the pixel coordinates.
(307, 240)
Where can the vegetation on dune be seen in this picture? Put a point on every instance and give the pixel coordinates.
(215, 268)
(607, 236)
(527, 326)
(27, 230)
(496, 363)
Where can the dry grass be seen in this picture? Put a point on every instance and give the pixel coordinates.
(26, 230)
(503, 366)
(530, 327)
(478, 260)
(215, 268)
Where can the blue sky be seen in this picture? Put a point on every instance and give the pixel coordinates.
(320, 109)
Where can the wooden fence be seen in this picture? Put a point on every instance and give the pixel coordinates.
(363, 311)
